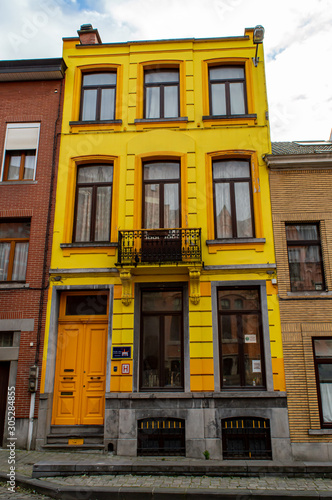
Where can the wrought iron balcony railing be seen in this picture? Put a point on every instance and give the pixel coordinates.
(159, 246)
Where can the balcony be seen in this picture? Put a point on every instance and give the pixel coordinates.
(159, 246)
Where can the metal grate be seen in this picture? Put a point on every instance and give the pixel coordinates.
(160, 246)
(161, 436)
(246, 437)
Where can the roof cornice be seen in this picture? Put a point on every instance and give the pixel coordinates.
(298, 162)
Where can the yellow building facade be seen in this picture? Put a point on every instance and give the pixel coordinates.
(163, 331)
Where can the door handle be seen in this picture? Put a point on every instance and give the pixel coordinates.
(92, 378)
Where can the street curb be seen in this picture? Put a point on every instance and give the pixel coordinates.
(103, 493)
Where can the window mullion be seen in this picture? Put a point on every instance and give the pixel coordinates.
(11, 260)
(233, 208)
(162, 101)
(162, 351)
(98, 104)
(22, 163)
(241, 360)
(93, 213)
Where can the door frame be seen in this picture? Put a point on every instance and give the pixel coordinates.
(52, 338)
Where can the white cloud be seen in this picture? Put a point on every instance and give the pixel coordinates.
(297, 45)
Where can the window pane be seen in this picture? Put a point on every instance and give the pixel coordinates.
(97, 173)
(325, 379)
(152, 103)
(231, 169)
(82, 305)
(161, 76)
(223, 211)
(171, 205)
(6, 339)
(161, 171)
(230, 355)
(218, 99)
(89, 104)
(83, 222)
(107, 104)
(171, 102)
(103, 213)
(305, 268)
(4, 260)
(29, 166)
(14, 168)
(98, 79)
(152, 206)
(226, 73)
(252, 350)
(236, 91)
(173, 350)
(231, 299)
(20, 261)
(323, 348)
(243, 210)
(22, 137)
(14, 230)
(301, 232)
(170, 300)
(151, 351)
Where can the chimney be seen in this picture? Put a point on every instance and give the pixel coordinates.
(88, 35)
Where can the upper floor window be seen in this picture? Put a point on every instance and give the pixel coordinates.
(98, 96)
(305, 257)
(20, 151)
(323, 367)
(240, 338)
(93, 203)
(161, 207)
(227, 91)
(161, 93)
(14, 246)
(232, 193)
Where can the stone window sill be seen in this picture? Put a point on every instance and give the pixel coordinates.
(4, 286)
(161, 120)
(320, 432)
(234, 241)
(96, 122)
(309, 295)
(89, 244)
(17, 183)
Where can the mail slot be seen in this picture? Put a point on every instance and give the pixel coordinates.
(66, 394)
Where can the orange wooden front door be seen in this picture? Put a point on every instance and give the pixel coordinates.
(80, 374)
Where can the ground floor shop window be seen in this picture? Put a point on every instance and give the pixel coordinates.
(246, 438)
(323, 367)
(161, 436)
(161, 346)
(240, 338)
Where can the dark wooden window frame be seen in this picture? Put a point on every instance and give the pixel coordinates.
(232, 182)
(161, 86)
(23, 154)
(99, 89)
(241, 359)
(13, 242)
(160, 430)
(297, 243)
(94, 186)
(227, 82)
(319, 361)
(237, 428)
(161, 183)
(161, 315)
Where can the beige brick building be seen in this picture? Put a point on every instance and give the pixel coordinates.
(301, 194)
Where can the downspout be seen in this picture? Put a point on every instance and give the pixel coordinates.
(45, 270)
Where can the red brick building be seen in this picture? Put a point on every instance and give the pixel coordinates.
(30, 119)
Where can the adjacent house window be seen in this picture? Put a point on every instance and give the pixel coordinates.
(305, 257)
(323, 367)
(240, 338)
(14, 246)
(227, 90)
(161, 93)
(232, 191)
(98, 96)
(21, 151)
(93, 203)
(161, 350)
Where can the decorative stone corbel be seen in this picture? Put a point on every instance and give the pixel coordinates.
(126, 279)
(194, 278)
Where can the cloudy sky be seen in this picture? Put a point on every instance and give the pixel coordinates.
(297, 44)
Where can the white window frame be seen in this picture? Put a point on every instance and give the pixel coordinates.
(15, 126)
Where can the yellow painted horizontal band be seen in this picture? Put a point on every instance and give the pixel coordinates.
(201, 366)
(278, 374)
(121, 384)
(201, 334)
(201, 350)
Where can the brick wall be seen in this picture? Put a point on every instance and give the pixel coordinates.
(32, 101)
(302, 196)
